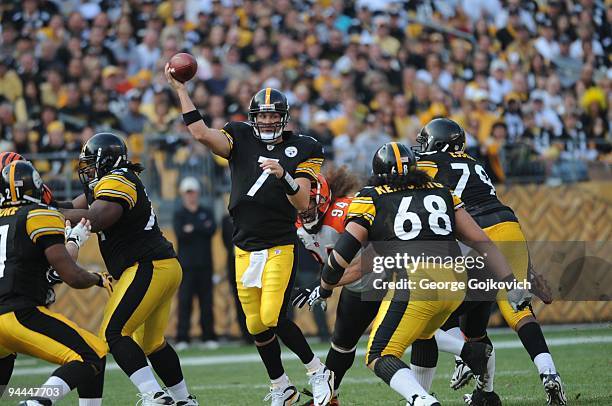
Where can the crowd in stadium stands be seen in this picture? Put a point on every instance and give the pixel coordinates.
(530, 81)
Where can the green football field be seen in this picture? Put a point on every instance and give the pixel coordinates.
(234, 375)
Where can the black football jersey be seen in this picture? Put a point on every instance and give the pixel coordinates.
(467, 178)
(25, 233)
(263, 216)
(136, 236)
(424, 213)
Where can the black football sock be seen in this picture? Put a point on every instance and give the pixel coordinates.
(423, 361)
(533, 340)
(93, 388)
(294, 339)
(75, 372)
(166, 364)
(6, 370)
(128, 355)
(339, 362)
(270, 353)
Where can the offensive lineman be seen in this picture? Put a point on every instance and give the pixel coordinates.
(271, 171)
(442, 157)
(404, 204)
(32, 238)
(143, 263)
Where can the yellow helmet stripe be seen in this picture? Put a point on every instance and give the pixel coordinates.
(268, 91)
(398, 159)
(12, 183)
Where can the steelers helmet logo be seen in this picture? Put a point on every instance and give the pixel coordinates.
(36, 179)
(291, 151)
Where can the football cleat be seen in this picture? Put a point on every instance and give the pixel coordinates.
(283, 396)
(190, 401)
(322, 383)
(154, 398)
(35, 401)
(482, 398)
(461, 375)
(428, 400)
(555, 395)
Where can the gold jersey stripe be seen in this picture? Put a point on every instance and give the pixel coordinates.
(121, 179)
(44, 222)
(230, 139)
(116, 193)
(307, 164)
(457, 202)
(110, 185)
(362, 200)
(43, 212)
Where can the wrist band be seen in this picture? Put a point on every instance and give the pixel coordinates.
(325, 293)
(291, 186)
(74, 241)
(191, 117)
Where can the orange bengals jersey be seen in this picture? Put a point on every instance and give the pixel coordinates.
(322, 243)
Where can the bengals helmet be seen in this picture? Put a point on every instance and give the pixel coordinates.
(320, 201)
(269, 100)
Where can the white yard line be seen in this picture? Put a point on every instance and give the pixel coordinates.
(287, 356)
(345, 381)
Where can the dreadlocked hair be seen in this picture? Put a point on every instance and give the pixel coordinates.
(414, 178)
(136, 167)
(341, 182)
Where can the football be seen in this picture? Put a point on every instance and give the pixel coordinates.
(183, 66)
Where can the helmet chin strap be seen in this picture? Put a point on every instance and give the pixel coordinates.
(31, 199)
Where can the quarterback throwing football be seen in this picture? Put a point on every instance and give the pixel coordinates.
(271, 172)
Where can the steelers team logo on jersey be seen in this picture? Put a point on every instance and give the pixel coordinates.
(291, 151)
(270, 147)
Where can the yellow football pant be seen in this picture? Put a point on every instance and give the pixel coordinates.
(263, 306)
(401, 321)
(140, 303)
(511, 242)
(47, 335)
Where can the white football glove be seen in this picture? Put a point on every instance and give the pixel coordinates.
(519, 298)
(79, 233)
(315, 299)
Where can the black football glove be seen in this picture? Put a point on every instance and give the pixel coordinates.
(300, 295)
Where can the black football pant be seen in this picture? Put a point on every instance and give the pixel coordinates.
(196, 282)
(353, 316)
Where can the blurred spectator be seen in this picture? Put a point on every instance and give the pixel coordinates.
(11, 87)
(54, 142)
(320, 130)
(349, 60)
(545, 117)
(133, 121)
(194, 226)
(75, 114)
(218, 81)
